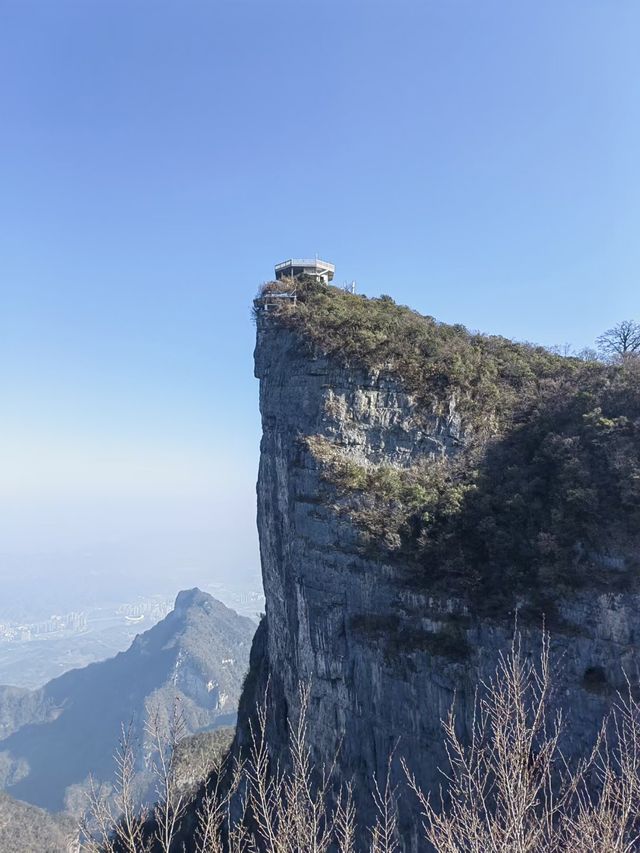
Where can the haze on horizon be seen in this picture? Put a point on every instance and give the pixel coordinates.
(476, 161)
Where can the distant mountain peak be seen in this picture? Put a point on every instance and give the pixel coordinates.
(195, 597)
(198, 654)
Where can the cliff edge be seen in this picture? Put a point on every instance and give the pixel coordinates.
(419, 486)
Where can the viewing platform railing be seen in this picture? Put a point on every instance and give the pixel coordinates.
(316, 263)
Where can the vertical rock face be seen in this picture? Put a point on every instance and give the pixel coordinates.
(382, 656)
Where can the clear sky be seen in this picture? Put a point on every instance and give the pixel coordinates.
(477, 160)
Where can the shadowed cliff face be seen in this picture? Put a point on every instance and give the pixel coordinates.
(384, 654)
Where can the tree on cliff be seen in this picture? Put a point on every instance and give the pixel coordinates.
(620, 341)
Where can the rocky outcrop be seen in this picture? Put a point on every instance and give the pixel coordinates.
(384, 657)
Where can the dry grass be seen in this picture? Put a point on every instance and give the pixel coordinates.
(506, 788)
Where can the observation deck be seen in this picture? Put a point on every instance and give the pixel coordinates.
(322, 270)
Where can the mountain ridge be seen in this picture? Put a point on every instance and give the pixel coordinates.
(198, 653)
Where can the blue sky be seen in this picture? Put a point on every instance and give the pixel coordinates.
(478, 161)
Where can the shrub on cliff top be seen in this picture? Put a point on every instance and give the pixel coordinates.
(548, 480)
(491, 377)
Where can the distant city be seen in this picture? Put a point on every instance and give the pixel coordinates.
(32, 652)
(147, 609)
(70, 623)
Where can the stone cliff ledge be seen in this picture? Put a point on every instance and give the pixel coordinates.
(385, 636)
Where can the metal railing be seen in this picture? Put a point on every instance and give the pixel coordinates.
(270, 299)
(315, 263)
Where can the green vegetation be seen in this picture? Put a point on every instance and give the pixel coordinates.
(387, 501)
(491, 377)
(548, 482)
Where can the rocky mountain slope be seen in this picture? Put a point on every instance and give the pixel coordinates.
(418, 486)
(56, 736)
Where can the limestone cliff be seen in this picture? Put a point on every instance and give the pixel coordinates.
(384, 639)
